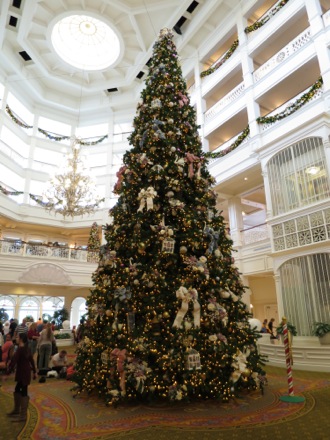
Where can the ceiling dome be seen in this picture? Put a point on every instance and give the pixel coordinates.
(85, 42)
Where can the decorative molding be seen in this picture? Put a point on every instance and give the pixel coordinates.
(45, 274)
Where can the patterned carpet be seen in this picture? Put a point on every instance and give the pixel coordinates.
(55, 414)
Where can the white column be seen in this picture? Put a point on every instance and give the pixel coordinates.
(326, 143)
(269, 206)
(3, 108)
(253, 109)
(314, 12)
(200, 102)
(235, 220)
(109, 169)
(279, 296)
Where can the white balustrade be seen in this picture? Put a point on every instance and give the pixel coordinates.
(49, 252)
(255, 234)
(294, 45)
(287, 104)
(228, 144)
(227, 99)
(12, 154)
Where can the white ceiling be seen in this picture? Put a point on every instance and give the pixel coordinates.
(50, 83)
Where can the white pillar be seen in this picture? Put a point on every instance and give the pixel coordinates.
(314, 13)
(253, 109)
(279, 296)
(235, 220)
(269, 206)
(200, 102)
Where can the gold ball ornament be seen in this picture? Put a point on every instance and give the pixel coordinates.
(108, 312)
(166, 315)
(246, 373)
(183, 250)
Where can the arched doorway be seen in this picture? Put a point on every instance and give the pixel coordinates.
(78, 309)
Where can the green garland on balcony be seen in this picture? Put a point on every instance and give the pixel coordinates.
(10, 193)
(50, 135)
(258, 24)
(226, 56)
(15, 119)
(306, 97)
(231, 147)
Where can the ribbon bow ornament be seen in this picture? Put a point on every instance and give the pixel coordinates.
(187, 296)
(183, 100)
(120, 356)
(146, 198)
(191, 159)
(120, 175)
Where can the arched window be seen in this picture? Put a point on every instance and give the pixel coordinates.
(298, 176)
(8, 304)
(305, 291)
(29, 307)
(50, 305)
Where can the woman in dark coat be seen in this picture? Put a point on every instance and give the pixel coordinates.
(24, 364)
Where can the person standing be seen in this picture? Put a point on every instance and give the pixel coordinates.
(21, 328)
(24, 364)
(264, 328)
(12, 327)
(271, 327)
(33, 337)
(44, 345)
(6, 347)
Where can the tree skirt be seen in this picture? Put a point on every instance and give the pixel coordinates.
(55, 414)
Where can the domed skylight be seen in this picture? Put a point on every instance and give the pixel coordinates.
(85, 42)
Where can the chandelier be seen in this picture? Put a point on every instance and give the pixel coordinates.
(72, 192)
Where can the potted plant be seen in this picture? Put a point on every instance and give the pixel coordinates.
(322, 331)
(60, 316)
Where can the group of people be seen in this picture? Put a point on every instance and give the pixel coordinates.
(268, 327)
(23, 342)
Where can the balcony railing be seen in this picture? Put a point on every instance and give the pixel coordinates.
(287, 104)
(8, 247)
(17, 158)
(227, 99)
(227, 144)
(283, 54)
(255, 234)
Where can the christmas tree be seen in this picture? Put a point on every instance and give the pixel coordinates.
(94, 242)
(165, 316)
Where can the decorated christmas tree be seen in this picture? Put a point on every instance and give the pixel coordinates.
(94, 242)
(165, 316)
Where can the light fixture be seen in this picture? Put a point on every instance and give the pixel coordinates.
(72, 192)
(313, 170)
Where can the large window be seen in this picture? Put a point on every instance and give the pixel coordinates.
(298, 176)
(305, 291)
(29, 307)
(8, 304)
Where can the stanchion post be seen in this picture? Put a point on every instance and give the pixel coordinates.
(287, 336)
